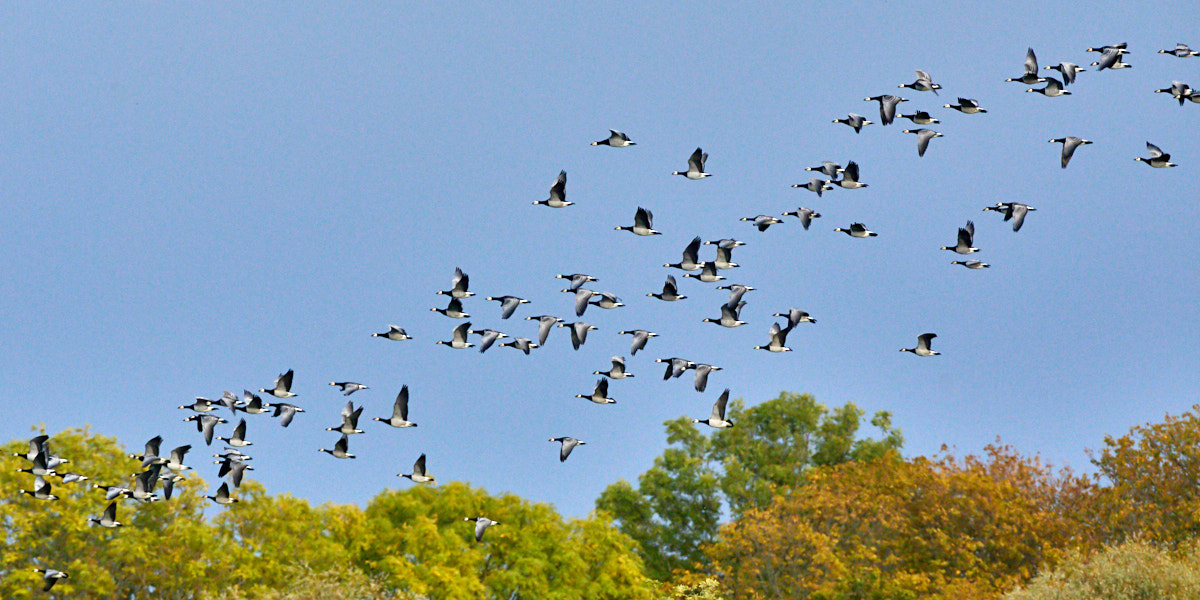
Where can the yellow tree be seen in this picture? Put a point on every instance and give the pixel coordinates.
(164, 550)
(418, 541)
(1152, 476)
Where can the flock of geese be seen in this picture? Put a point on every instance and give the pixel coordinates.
(156, 469)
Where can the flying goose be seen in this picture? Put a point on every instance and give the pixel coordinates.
(50, 577)
(814, 185)
(700, 377)
(206, 424)
(762, 222)
(1053, 88)
(458, 337)
(617, 371)
(971, 264)
(1120, 48)
(887, 106)
(736, 291)
(921, 117)
(675, 366)
(285, 411)
(1110, 58)
(724, 259)
(616, 139)
(393, 333)
(966, 106)
(1068, 70)
(458, 285)
(348, 387)
(923, 137)
(230, 400)
(643, 223)
(606, 301)
(149, 455)
(37, 445)
(922, 348)
(849, 178)
(545, 323)
(399, 416)
(707, 274)
(795, 317)
(350, 417)
(924, 83)
(112, 492)
(418, 474)
(577, 280)
(806, 215)
(640, 337)
(252, 404)
(222, 496)
(726, 243)
(966, 236)
(728, 317)
(695, 166)
(508, 304)
(1016, 212)
(341, 448)
(690, 260)
(232, 466)
(522, 344)
(481, 525)
(670, 291)
(1070, 143)
(489, 337)
(857, 230)
(1157, 158)
(717, 419)
(1031, 70)
(73, 477)
(175, 462)
(283, 386)
(108, 518)
(558, 193)
(778, 340)
(41, 490)
(39, 467)
(1181, 50)
(568, 444)
(578, 332)
(1178, 90)
(856, 122)
(201, 405)
(238, 439)
(599, 393)
(144, 483)
(827, 168)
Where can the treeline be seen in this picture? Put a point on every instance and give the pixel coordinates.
(792, 502)
(817, 512)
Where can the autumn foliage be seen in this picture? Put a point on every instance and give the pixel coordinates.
(792, 503)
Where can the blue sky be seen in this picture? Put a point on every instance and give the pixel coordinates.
(199, 198)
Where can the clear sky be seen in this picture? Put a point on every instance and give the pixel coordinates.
(197, 198)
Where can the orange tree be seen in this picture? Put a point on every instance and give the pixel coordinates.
(900, 529)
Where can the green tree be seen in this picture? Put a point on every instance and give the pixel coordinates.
(776, 442)
(676, 508)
